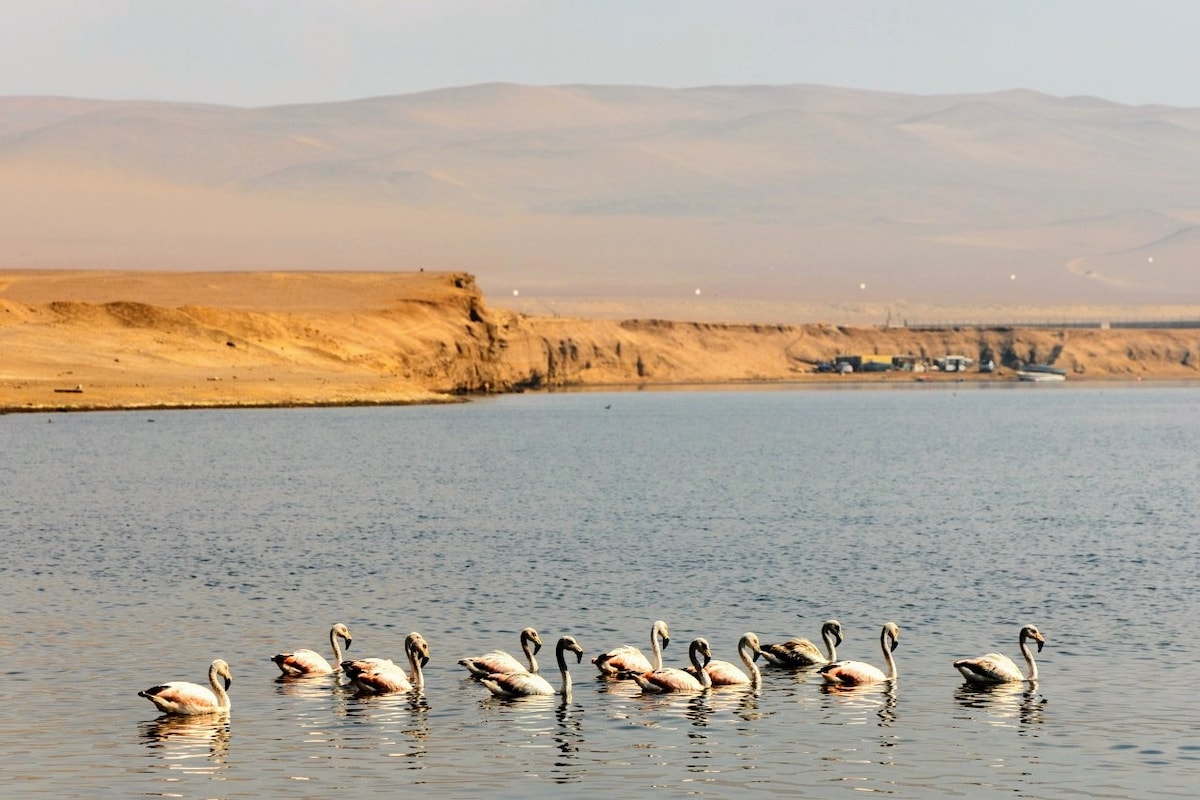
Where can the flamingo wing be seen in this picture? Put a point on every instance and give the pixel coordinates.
(625, 658)
(990, 668)
(517, 684)
(722, 673)
(377, 676)
(852, 673)
(668, 680)
(182, 697)
(495, 662)
(793, 653)
(302, 662)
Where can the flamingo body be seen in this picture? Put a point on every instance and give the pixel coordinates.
(801, 653)
(186, 698)
(670, 679)
(527, 684)
(859, 673)
(724, 673)
(309, 662)
(384, 676)
(629, 659)
(500, 662)
(995, 668)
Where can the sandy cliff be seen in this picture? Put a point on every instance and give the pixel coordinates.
(156, 339)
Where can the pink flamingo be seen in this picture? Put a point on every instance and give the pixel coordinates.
(858, 673)
(187, 698)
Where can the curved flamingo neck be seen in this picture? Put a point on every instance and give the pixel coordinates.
(529, 656)
(887, 656)
(1032, 665)
(701, 673)
(218, 687)
(337, 648)
(564, 670)
(745, 651)
(656, 647)
(414, 663)
(830, 646)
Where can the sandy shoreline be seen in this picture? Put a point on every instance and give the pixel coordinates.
(154, 340)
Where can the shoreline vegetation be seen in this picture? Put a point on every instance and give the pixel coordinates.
(75, 340)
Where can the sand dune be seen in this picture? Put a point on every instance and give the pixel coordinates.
(799, 194)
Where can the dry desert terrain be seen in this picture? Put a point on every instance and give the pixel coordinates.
(124, 340)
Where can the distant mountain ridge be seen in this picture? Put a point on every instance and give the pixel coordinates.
(812, 193)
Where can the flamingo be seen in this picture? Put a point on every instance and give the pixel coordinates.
(382, 675)
(679, 680)
(627, 658)
(501, 662)
(309, 662)
(525, 684)
(858, 673)
(996, 668)
(723, 673)
(187, 698)
(801, 653)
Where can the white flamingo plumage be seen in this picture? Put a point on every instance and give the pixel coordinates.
(859, 673)
(671, 679)
(501, 662)
(996, 668)
(526, 684)
(800, 653)
(384, 676)
(628, 659)
(310, 662)
(187, 698)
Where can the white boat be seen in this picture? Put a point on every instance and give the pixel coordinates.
(1040, 377)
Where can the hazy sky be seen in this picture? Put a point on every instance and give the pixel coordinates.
(268, 52)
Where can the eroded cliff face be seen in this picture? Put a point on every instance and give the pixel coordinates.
(552, 352)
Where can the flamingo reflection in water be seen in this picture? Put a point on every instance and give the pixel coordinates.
(858, 701)
(568, 740)
(182, 741)
(1004, 703)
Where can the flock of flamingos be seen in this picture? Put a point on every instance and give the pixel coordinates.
(506, 676)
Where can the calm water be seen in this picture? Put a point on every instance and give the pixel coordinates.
(139, 546)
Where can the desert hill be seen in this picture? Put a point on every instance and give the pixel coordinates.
(199, 339)
(782, 204)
